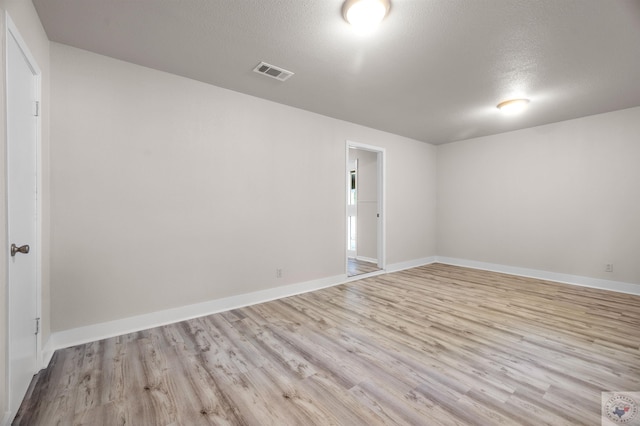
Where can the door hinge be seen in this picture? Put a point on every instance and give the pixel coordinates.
(37, 326)
(37, 114)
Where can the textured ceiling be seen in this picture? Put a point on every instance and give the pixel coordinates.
(434, 70)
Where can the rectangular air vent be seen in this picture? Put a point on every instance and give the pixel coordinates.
(272, 71)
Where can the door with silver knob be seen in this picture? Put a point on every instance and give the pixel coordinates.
(22, 177)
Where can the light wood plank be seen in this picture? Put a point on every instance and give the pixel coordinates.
(437, 345)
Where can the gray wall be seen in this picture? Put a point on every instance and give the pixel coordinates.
(562, 198)
(168, 192)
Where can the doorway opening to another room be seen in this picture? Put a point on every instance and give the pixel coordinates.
(365, 251)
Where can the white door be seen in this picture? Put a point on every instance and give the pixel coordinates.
(22, 137)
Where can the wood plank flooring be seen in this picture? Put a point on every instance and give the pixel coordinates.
(359, 267)
(435, 345)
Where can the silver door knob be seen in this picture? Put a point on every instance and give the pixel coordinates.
(22, 249)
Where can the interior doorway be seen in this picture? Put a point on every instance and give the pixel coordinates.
(365, 209)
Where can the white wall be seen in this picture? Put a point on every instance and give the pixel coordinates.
(26, 20)
(169, 192)
(562, 198)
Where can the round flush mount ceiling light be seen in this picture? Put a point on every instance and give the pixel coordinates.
(513, 106)
(365, 15)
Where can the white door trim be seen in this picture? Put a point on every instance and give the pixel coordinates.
(382, 176)
(11, 31)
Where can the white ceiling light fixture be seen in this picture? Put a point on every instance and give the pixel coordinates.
(513, 106)
(365, 15)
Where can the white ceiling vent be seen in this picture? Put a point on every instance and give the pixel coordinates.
(272, 71)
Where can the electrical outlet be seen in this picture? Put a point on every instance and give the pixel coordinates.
(608, 267)
(278, 273)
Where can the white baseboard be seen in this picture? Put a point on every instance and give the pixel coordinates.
(367, 259)
(363, 276)
(47, 352)
(401, 266)
(395, 267)
(578, 280)
(6, 420)
(90, 333)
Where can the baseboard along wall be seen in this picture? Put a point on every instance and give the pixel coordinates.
(617, 286)
(89, 333)
(93, 332)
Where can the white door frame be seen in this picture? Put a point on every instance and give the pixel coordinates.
(11, 31)
(381, 196)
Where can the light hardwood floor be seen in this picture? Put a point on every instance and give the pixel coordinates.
(359, 267)
(431, 345)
